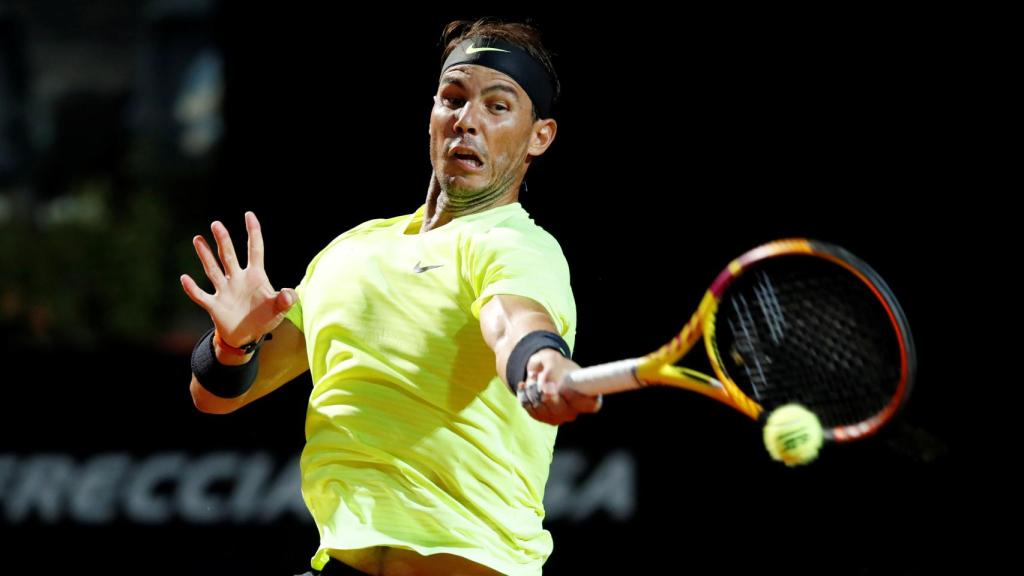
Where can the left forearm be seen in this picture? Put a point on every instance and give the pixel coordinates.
(504, 322)
(543, 357)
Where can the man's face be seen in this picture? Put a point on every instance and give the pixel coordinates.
(480, 130)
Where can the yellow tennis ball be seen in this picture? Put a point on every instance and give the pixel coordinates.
(793, 435)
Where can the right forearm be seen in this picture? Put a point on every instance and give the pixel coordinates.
(211, 404)
(229, 355)
(228, 378)
(281, 358)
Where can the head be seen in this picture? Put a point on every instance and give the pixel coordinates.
(492, 110)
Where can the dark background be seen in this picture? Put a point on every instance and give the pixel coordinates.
(684, 139)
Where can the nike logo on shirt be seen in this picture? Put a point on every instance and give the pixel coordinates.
(421, 269)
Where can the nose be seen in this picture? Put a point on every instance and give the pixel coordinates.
(466, 120)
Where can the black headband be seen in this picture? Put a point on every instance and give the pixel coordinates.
(511, 60)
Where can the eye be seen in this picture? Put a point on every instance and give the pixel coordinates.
(453, 102)
(499, 107)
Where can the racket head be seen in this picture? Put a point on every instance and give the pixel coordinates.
(805, 321)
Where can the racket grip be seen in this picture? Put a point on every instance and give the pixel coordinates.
(592, 381)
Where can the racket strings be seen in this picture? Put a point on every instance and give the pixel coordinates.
(806, 330)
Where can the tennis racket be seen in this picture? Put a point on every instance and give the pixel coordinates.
(793, 320)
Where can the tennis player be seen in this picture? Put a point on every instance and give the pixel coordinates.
(418, 329)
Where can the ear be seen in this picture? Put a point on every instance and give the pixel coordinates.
(542, 137)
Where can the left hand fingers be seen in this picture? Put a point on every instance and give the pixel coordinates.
(537, 405)
(562, 394)
(581, 402)
(554, 403)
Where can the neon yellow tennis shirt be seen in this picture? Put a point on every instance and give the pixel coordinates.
(412, 440)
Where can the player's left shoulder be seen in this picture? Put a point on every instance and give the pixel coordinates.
(521, 224)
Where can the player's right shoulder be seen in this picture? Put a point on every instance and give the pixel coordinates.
(366, 228)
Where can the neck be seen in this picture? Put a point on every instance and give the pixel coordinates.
(443, 207)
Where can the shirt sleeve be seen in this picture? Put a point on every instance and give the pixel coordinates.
(528, 264)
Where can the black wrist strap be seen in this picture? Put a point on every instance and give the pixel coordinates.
(219, 379)
(515, 370)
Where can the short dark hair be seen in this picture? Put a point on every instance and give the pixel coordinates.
(522, 34)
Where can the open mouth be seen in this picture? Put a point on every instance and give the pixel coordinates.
(466, 158)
